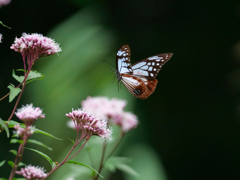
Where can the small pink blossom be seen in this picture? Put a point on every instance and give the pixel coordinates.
(0, 38)
(29, 130)
(29, 114)
(4, 2)
(34, 46)
(90, 124)
(126, 121)
(32, 172)
(103, 106)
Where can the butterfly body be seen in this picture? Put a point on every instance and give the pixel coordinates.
(139, 78)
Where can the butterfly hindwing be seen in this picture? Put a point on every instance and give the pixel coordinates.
(151, 66)
(123, 59)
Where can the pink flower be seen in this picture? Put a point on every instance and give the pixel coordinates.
(34, 46)
(103, 106)
(28, 114)
(0, 38)
(32, 172)
(126, 121)
(4, 2)
(89, 124)
(29, 130)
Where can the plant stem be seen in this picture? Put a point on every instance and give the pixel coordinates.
(102, 159)
(18, 157)
(65, 159)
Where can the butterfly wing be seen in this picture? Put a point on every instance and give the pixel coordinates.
(139, 87)
(123, 60)
(151, 66)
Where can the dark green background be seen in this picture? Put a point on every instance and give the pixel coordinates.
(192, 119)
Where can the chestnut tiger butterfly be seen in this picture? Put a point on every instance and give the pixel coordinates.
(139, 78)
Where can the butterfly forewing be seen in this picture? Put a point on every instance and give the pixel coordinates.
(151, 66)
(123, 59)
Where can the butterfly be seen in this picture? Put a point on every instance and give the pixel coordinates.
(139, 78)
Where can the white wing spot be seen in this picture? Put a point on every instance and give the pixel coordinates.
(154, 69)
(153, 63)
(157, 64)
(162, 60)
(125, 48)
(151, 74)
(126, 58)
(153, 58)
(150, 68)
(139, 65)
(149, 63)
(119, 53)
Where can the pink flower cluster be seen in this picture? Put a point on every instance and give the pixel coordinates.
(21, 131)
(103, 106)
(28, 114)
(34, 46)
(32, 172)
(89, 124)
(112, 109)
(4, 2)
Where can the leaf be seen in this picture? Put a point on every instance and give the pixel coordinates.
(39, 143)
(75, 162)
(34, 75)
(120, 163)
(72, 141)
(127, 169)
(18, 78)
(13, 92)
(4, 25)
(2, 123)
(4, 179)
(13, 151)
(21, 164)
(2, 163)
(11, 163)
(12, 123)
(53, 164)
(16, 141)
(45, 133)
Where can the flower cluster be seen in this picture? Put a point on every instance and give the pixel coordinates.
(29, 130)
(4, 2)
(32, 172)
(28, 114)
(89, 124)
(111, 109)
(34, 46)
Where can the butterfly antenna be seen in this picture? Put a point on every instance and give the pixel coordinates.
(109, 63)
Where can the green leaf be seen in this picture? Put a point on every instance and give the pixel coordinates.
(2, 163)
(71, 141)
(75, 162)
(39, 143)
(4, 25)
(45, 133)
(127, 169)
(12, 123)
(2, 123)
(53, 164)
(13, 151)
(21, 164)
(11, 163)
(3, 179)
(120, 163)
(16, 141)
(18, 78)
(34, 75)
(13, 92)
